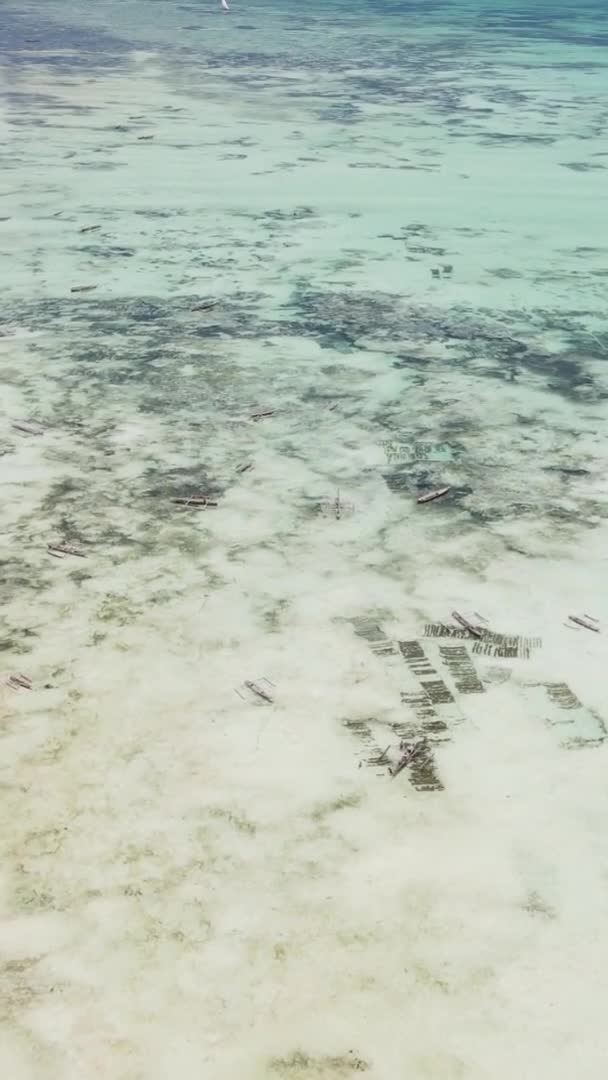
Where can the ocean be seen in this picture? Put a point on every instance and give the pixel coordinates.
(302, 777)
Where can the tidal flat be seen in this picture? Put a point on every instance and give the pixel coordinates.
(268, 277)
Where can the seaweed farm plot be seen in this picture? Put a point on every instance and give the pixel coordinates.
(433, 665)
(418, 662)
(429, 708)
(574, 723)
(446, 675)
(461, 668)
(376, 738)
(491, 644)
(368, 628)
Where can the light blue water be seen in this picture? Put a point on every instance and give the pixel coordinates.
(396, 215)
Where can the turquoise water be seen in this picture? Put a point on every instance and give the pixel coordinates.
(312, 262)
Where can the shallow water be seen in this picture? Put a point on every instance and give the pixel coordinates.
(400, 211)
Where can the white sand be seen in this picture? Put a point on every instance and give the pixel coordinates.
(198, 884)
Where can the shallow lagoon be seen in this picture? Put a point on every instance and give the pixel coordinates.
(400, 211)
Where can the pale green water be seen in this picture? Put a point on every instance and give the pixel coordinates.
(400, 210)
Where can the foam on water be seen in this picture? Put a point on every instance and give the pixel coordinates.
(399, 211)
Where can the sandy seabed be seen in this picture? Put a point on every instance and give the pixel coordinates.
(399, 220)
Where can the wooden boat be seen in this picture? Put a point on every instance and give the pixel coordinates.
(432, 495)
